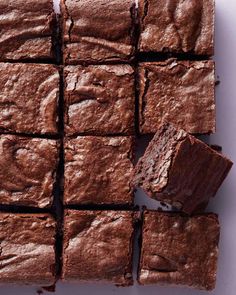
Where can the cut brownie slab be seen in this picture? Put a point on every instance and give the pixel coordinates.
(180, 170)
(27, 249)
(27, 170)
(98, 31)
(26, 29)
(28, 98)
(99, 99)
(177, 26)
(179, 250)
(98, 246)
(98, 170)
(180, 92)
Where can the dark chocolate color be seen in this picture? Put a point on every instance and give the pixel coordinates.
(27, 170)
(179, 250)
(179, 92)
(177, 26)
(98, 170)
(180, 170)
(99, 99)
(27, 249)
(98, 246)
(27, 29)
(29, 98)
(97, 30)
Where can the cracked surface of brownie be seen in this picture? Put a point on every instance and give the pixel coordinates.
(179, 250)
(27, 249)
(98, 246)
(98, 170)
(27, 170)
(179, 92)
(99, 100)
(177, 26)
(27, 29)
(29, 98)
(98, 30)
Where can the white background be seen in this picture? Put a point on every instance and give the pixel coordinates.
(224, 203)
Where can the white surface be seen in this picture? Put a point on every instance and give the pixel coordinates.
(225, 201)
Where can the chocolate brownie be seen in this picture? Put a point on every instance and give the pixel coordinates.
(27, 249)
(98, 170)
(179, 250)
(180, 92)
(177, 26)
(99, 99)
(27, 170)
(26, 30)
(98, 246)
(180, 170)
(28, 99)
(98, 31)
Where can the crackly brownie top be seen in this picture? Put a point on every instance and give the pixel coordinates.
(98, 246)
(180, 92)
(177, 26)
(179, 250)
(26, 29)
(98, 170)
(28, 99)
(27, 249)
(97, 30)
(27, 170)
(99, 99)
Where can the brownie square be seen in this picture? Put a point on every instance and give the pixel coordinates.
(28, 99)
(180, 92)
(27, 249)
(179, 250)
(27, 29)
(27, 170)
(99, 99)
(98, 170)
(180, 170)
(177, 26)
(98, 31)
(98, 246)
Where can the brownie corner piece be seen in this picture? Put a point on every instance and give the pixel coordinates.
(177, 26)
(27, 32)
(98, 171)
(99, 100)
(179, 92)
(87, 38)
(98, 246)
(27, 249)
(179, 250)
(29, 98)
(173, 150)
(27, 170)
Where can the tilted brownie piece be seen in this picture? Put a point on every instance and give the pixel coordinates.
(180, 92)
(98, 31)
(179, 250)
(27, 170)
(26, 28)
(98, 170)
(98, 246)
(99, 99)
(28, 99)
(180, 170)
(27, 249)
(177, 26)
